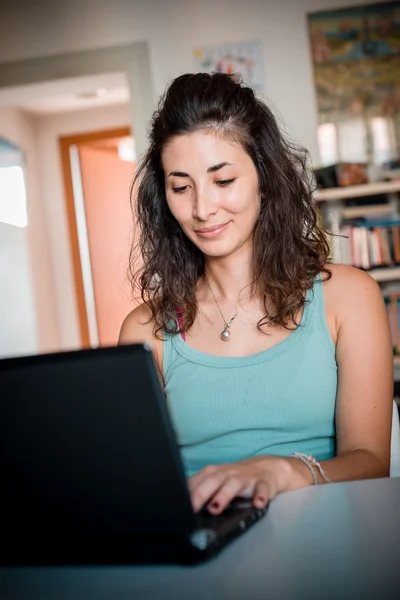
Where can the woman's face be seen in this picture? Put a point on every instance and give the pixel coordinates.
(212, 190)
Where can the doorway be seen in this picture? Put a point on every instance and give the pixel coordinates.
(98, 169)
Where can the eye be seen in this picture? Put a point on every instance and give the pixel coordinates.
(180, 190)
(225, 182)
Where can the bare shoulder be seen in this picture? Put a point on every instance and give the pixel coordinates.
(137, 326)
(347, 281)
(351, 290)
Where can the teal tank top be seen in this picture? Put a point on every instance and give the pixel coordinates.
(275, 402)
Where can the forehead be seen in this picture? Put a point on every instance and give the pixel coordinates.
(204, 147)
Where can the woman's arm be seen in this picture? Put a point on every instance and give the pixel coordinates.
(365, 378)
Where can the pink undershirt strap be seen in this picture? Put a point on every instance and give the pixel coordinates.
(180, 322)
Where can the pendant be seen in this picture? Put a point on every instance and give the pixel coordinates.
(225, 335)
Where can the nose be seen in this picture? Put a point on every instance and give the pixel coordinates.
(204, 205)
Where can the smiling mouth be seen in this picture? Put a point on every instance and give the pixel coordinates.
(209, 232)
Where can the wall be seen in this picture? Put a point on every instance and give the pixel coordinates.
(28, 320)
(172, 29)
(49, 129)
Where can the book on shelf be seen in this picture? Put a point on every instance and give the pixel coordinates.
(367, 244)
(392, 303)
(381, 200)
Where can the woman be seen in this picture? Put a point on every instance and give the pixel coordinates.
(277, 365)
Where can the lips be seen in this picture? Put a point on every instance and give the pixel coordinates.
(214, 231)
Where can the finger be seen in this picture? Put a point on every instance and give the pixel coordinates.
(206, 488)
(232, 487)
(262, 494)
(196, 479)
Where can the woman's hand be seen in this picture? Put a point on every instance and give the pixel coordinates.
(260, 478)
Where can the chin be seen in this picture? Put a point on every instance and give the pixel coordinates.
(219, 250)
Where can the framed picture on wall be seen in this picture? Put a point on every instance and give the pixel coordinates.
(356, 63)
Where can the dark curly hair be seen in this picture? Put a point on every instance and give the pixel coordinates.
(289, 246)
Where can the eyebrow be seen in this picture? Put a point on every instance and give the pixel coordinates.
(212, 169)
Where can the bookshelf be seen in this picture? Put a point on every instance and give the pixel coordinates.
(337, 208)
(358, 191)
(373, 210)
(387, 274)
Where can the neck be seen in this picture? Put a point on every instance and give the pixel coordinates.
(229, 276)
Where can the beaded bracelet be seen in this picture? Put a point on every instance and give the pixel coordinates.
(311, 462)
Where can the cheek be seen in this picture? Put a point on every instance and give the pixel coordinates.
(246, 201)
(179, 209)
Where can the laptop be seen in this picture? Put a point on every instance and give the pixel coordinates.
(90, 468)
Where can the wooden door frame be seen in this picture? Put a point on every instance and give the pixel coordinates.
(65, 143)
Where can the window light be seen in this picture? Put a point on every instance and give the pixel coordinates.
(383, 139)
(13, 196)
(327, 143)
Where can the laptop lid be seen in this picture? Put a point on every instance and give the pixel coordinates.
(86, 445)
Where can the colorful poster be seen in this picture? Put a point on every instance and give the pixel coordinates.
(242, 58)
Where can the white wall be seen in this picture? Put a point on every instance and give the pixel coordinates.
(49, 129)
(27, 319)
(173, 28)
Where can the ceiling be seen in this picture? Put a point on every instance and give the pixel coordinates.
(63, 95)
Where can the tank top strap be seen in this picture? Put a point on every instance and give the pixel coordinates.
(318, 314)
(169, 352)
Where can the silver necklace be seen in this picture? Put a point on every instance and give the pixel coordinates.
(226, 334)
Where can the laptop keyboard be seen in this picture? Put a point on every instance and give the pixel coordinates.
(214, 530)
(237, 509)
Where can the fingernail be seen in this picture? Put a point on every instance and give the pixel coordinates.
(214, 505)
(260, 501)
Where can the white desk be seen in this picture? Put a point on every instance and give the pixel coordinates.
(337, 541)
